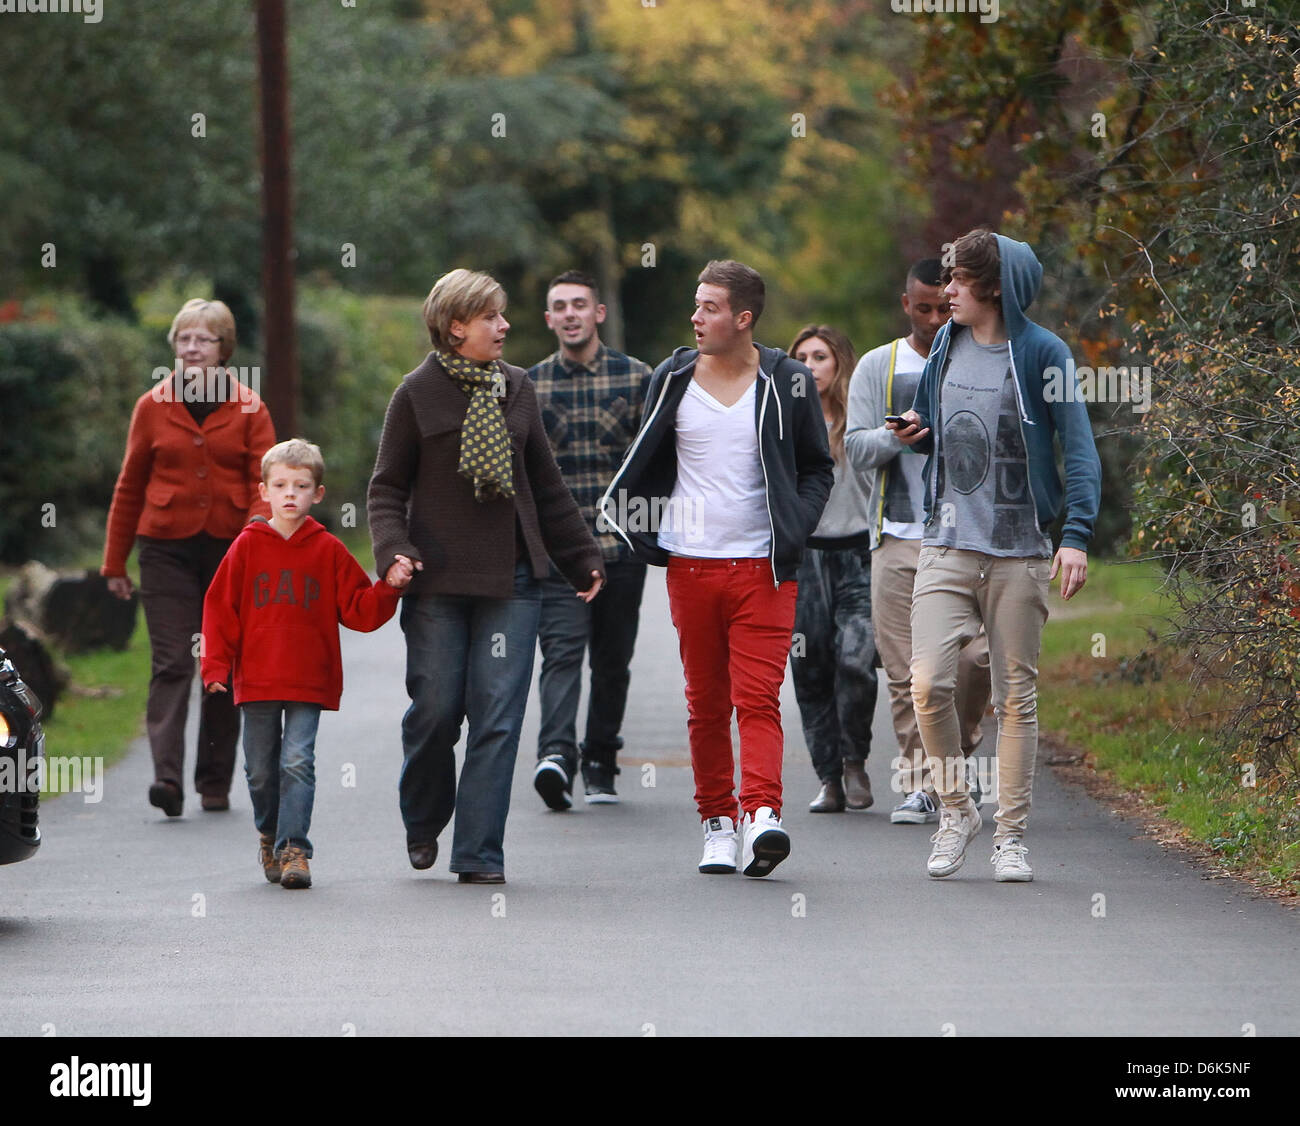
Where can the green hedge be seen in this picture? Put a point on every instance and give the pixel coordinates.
(67, 384)
(353, 352)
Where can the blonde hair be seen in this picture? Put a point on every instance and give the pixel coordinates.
(215, 316)
(460, 295)
(297, 453)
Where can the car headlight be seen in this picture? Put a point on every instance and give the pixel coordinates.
(8, 737)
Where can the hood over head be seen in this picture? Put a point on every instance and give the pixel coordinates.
(1022, 277)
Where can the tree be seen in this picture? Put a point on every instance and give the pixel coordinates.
(1161, 173)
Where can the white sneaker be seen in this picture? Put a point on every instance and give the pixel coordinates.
(1009, 863)
(956, 829)
(918, 809)
(766, 843)
(719, 846)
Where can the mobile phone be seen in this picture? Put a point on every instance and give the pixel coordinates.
(899, 421)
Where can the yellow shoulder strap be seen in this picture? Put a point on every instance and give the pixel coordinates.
(889, 409)
(889, 380)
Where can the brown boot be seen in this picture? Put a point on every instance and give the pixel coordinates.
(829, 799)
(857, 786)
(294, 872)
(266, 858)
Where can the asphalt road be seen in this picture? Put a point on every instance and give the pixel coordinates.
(128, 923)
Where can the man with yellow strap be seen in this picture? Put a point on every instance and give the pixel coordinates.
(884, 383)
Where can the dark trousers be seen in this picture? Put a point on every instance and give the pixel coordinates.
(832, 657)
(606, 629)
(174, 576)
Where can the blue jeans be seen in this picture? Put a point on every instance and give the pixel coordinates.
(466, 656)
(280, 765)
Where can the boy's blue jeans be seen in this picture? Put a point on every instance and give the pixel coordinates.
(466, 657)
(280, 764)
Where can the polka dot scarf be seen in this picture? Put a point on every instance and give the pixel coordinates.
(485, 452)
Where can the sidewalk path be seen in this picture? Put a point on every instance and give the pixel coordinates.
(127, 923)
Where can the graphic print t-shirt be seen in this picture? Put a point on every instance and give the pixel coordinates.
(983, 499)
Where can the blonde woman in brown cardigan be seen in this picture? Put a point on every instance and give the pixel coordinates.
(465, 484)
(188, 484)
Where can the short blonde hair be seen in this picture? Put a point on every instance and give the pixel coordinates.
(215, 316)
(297, 453)
(460, 295)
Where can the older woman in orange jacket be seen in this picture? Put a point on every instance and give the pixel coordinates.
(188, 484)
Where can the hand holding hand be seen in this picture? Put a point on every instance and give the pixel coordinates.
(402, 571)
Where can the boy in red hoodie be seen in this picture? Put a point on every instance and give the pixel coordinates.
(271, 618)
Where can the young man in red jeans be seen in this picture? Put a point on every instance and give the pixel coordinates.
(724, 483)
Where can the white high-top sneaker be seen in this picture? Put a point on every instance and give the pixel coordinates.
(719, 846)
(766, 844)
(957, 827)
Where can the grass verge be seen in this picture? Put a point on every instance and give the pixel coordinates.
(1122, 701)
(102, 710)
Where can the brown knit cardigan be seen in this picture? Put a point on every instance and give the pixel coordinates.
(419, 506)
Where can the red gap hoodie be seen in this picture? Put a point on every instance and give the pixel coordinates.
(273, 610)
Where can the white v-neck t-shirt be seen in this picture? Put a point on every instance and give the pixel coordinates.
(718, 507)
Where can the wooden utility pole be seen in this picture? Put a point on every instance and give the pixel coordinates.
(280, 385)
(608, 268)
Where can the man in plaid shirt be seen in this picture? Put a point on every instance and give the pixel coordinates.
(591, 399)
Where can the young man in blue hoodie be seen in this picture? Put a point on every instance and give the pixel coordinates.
(726, 480)
(992, 491)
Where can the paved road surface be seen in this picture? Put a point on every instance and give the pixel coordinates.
(127, 923)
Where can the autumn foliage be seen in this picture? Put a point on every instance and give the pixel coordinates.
(1153, 152)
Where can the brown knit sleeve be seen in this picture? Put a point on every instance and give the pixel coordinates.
(396, 464)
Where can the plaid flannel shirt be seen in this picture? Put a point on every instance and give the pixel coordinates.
(591, 415)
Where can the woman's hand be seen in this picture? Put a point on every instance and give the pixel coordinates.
(909, 435)
(402, 571)
(593, 590)
(214, 686)
(119, 586)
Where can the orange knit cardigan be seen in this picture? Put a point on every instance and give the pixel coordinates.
(179, 479)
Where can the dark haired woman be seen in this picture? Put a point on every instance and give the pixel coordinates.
(833, 654)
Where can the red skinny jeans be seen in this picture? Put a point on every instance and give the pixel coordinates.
(734, 628)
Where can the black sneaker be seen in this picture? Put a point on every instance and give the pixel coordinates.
(599, 781)
(553, 781)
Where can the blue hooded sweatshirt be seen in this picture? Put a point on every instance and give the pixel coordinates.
(1033, 350)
